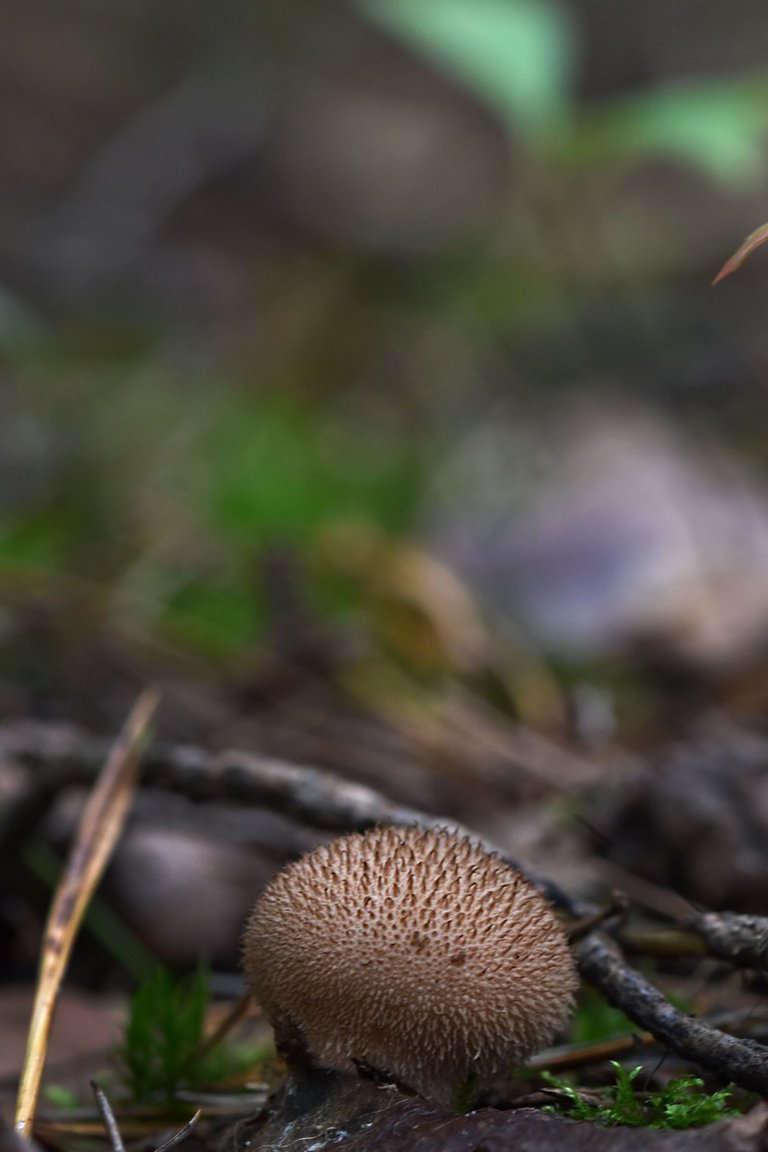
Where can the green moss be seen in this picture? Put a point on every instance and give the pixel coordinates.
(680, 1104)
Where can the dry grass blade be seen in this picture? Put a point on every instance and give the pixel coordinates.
(182, 1134)
(99, 828)
(569, 1056)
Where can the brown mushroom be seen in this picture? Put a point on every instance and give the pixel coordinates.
(412, 951)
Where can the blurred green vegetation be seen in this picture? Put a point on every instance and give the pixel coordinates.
(595, 1020)
(163, 499)
(159, 485)
(164, 1045)
(520, 57)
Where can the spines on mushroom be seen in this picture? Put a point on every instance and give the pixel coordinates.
(412, 951)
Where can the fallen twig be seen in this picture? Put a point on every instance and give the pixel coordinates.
(325, 800)
(739, 939)
(108, 1117)
(743, 1061)
(320, 798)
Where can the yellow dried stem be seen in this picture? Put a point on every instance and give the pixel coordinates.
(100, 826)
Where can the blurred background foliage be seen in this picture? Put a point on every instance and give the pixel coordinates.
(381, 287)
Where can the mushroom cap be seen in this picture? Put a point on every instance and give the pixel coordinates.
(413, 951)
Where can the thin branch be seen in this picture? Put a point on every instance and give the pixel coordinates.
(108, 1116)
(317, 797)
(325, 800)
(739, 939)
(113, 1129)
(743, 1061)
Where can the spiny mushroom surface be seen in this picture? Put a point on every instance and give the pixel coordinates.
(414, 951)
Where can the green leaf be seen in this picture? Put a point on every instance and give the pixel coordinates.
(60, 1097)
(718, 128)
(627, 1109)
(517, 56)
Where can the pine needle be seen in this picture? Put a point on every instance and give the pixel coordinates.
(100, 826)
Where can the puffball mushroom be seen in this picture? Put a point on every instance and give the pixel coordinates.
(412, 951)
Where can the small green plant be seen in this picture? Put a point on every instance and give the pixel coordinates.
(680, 1104)
(163, 1046)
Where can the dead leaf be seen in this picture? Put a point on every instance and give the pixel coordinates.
(754, 240)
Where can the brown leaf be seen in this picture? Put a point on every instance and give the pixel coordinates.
(754, 240)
